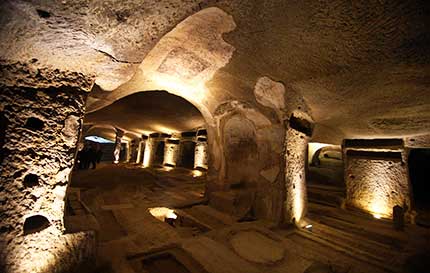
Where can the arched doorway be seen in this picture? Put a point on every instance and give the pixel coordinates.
(325, 174)
(164, 176)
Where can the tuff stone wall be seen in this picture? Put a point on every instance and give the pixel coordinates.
(250, 169)
(43, 118)
(171, 153)
(376, 178)
(201, 155)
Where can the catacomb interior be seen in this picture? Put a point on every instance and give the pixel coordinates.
(214, 136)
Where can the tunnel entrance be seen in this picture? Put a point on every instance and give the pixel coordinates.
(419, 176)
(325, 179)
(157, 133)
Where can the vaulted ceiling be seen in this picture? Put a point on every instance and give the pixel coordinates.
(362, 67)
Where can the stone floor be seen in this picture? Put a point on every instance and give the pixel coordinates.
(115, 200)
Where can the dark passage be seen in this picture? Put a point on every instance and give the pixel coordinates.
(418, 172)
(159, 153)
(187, 154)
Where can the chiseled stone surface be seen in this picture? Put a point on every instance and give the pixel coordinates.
(171, 153)
(201, 155)
(43, 119)
(376, 185)
(295, 182)
(251, 142)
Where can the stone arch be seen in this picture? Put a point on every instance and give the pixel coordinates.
(325, 152)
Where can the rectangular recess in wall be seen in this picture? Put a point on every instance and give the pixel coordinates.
(391, 143)
(301, 125)
(202, 132)
(188, 134)
(144, 137)
(201, 139)
(154, 135)
(165, 135)
(173, 141)
(391, 156)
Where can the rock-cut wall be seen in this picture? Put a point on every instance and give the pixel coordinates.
(376, 176)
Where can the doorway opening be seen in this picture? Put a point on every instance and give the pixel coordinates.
(418, 164)
(325, 179)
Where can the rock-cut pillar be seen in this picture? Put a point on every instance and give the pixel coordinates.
(117, 149)
(201, 154)
(41, 114)
(296, 142)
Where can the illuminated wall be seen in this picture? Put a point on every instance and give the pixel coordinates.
(171, 152)
(295, 181)
(201, 155)
(44, 118)
(376, 178)
(139, 151)
(117, 149)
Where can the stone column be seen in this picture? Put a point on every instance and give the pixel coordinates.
(201, 154)
(296, 142)
(150, 146)
(171, 152)
(139, 151)
(42, 111)
(117, 149)
(143, 149)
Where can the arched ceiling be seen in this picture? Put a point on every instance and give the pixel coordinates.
(148, 112)
(362, 67)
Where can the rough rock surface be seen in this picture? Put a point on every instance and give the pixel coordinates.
(201, 155)
(295, 204)
(377, 184)
(171, 153)
(38, 155)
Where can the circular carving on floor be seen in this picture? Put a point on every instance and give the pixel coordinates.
(257, 247)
